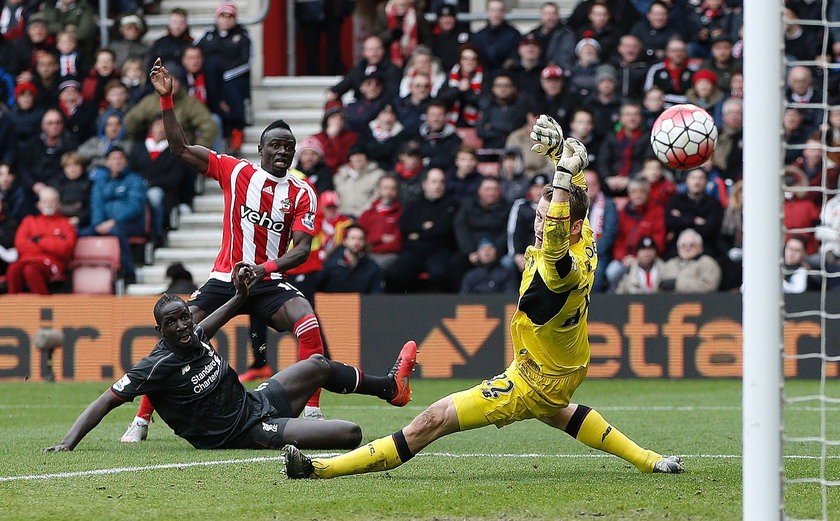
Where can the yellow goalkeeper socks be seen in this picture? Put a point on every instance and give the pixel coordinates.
(589, 427)
(382, 454)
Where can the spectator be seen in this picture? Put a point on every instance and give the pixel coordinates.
(79, 115)
(412, 108)
(691, 271)
(828, 233)
(662, 186)
(673, 74)
(319, 19)
(501, 113)
(654, 31)
(800, 44)
(71, 64)
(381, 222)
(731, 239)
(75, 188)
(624, 13)
(70, 15)
(550, 25)
(334, 224)
(463, 90)
(631, 67)
(520, 224)
(581, 128)
(831, 133)
(705, 92)
(205, 88)
(362, 111)
(653, 105)
(171, 46)
(117, 208)
(603, 219)
(599, 25)
(24, 51)
(227, 53)
(498, 40)
(402, 27)
(8, 227)
(408, 168)
(438, 141)
(356, 181)
(711, 21)
(722, 62)
(645, 270)
(180, 280)
(623, 151)
(116, 99)
(335, 138)
(163, 173)
(800, 210)
(193, 116)
(729, 149)
(373, 60)
(383, 137)
(604, 104)
(311, 164)
(694, 209)
(46, 78)
(526, 68)
(795, 269)
(40, 157)
(424, 63)
(462, 179)
(17, 200)
(44, 244)
(13, 16)
(104, 70)
(555, 100)
(514, 182)
(427, 228)
(811, 163)
(348, 269)
(533, 164)
(134, 78)
(800, 89)
(25, 115)
(111, 133)
(489, 275)
(482, 216)
(639, 218)
(129, 42)
(582, 72)
(448, 36)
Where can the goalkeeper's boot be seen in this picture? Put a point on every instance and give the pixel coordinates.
(296, 464)
(137, 431)
(669, 465)
(401, 372)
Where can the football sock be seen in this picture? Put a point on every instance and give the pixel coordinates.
(308, 332)
(146, 409)
(345, 379)
(382, 454)
(258, 332)
(589, 427)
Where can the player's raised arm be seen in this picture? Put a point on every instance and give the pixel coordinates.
(243, 279)
(87, 421)
(196, 156)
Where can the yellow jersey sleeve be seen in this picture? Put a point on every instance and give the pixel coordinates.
(556, 265)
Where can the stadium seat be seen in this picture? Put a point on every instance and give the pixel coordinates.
(488, 168)
(96, 261)
(469, 137)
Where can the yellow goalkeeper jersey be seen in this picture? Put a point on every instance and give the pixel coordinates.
(550, 323)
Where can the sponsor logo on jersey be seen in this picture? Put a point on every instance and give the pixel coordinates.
(309, 221)
(185, 369)
(120, 384)
(285, 205)
(262, 219)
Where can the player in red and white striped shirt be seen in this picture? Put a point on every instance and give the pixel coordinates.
(265, 209)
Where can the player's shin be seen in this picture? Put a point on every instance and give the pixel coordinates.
(345, 379)
(308, 332)
(589, 427)
(382, 454)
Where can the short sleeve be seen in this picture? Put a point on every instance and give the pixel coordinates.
(143, 378)
(305, 209)
(219, 167)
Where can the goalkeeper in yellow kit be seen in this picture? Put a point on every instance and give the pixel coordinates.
(550, 337)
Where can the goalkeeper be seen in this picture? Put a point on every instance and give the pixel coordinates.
(550, 338)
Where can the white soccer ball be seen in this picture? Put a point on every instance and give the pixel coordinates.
(683, 136)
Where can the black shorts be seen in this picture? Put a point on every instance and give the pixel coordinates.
(264, 299)
(276, 411)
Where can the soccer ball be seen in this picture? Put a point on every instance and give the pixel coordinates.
(683, 136)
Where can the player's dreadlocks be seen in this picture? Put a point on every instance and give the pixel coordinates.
(278, 123)
(162, 302)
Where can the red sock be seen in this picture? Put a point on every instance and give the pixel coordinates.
(146, 409)
(308, 332)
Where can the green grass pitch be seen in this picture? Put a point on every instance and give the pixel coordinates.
(522, 472)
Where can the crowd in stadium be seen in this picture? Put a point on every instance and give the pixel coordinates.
(423, 166)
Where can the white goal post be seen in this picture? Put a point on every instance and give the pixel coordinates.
(762, 301)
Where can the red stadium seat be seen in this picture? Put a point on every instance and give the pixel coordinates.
(96, 261)
(469, 137)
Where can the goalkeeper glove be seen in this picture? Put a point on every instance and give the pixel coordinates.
(562, 179)
(548, 137)
(574, 157)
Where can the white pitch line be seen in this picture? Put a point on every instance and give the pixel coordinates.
(123, 470)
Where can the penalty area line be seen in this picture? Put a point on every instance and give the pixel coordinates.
(124, 470)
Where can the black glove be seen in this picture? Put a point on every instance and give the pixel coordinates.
(668, 284)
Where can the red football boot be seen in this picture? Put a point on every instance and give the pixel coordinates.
(263, 373)
(401, 372)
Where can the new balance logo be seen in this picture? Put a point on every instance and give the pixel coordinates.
(185, 369)
(606, 432)
(269, 190)
(262, 219)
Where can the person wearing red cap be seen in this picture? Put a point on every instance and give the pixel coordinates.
(227, 53)
(555, 99)
(705, 92)
(25, 115)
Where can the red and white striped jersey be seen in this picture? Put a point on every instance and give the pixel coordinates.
(261, 212)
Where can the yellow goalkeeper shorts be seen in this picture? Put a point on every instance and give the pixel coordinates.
(517, 394)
